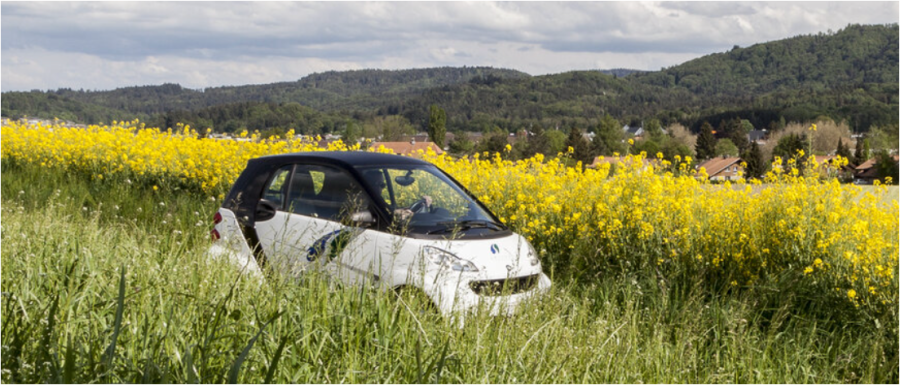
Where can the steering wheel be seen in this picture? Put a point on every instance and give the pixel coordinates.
(419, 206)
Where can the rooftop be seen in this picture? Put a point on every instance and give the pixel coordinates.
(347, 158)
(716, 165)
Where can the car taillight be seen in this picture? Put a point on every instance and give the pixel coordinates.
(214, 234)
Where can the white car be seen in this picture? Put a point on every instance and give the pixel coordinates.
(385, 219)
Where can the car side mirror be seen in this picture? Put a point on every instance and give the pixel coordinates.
(363, 218)
(265, 210)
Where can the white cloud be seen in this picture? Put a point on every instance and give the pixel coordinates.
(199, 44)
(711, 9)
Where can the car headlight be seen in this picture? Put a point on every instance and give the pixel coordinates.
(532, 256)
(447, 259)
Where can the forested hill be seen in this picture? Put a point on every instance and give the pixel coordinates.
(347, 90)
(850, 75)
(854, 55)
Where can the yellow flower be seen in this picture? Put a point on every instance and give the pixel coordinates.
(813, 127)
(620, 205)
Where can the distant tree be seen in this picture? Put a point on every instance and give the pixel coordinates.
(461, 144)
(726, 147)
(756, 166)
(843, 151)
(892, 132)
(648, 146)
(557, 140)
(884, 137)
(653, 128)
(437, 129)
(389, 128)
(859, 155)
(867, 151)
(672, 147)
(351, 133)
(538, 143)
(576, 141)
(495, 142)
(886, 166)
(747, 126)
(862, 153)
(608, 137)
(598, 146)
(789, 147)
(706, 142)
(740, 140)
(736, 131)
(683, 137)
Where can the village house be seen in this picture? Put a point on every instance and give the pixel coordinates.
(723, 168)
(410, 148)
(758, 136)
(867, 173)
(636, 132)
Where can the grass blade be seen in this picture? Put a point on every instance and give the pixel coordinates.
(236, 366)
(188, 362)
(45, 355)
(440, 364)
(68, 375)
(418, 360)
(271, 371)
(117, 325)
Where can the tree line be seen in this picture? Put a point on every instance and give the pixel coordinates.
(848, 76)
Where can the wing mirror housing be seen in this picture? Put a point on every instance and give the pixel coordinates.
(265, 210)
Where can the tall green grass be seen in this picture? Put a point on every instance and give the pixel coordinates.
(108, 282)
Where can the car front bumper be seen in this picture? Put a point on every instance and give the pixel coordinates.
(459, 294)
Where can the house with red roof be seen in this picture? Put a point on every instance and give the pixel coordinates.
(410, 148)
(866, 173)
(723, 168)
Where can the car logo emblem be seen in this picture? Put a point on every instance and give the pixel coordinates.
(495, 249)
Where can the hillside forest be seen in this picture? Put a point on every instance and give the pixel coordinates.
(846, 81)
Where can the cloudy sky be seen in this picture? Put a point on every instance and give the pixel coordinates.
(98, 46)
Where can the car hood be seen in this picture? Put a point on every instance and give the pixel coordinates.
(510, 256)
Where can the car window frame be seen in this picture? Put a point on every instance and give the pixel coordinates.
(285, 189)
(376, 206)
(393, 227)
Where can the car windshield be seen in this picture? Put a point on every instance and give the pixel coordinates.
(427, 201)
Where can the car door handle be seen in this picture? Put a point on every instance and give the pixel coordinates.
(265, 210)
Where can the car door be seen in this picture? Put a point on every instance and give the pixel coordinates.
(312, 222)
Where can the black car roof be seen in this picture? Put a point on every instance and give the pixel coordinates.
(259, 169)
(345, 158)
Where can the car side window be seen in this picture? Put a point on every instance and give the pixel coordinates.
(276, 188)
(325, 192)
(302, 195)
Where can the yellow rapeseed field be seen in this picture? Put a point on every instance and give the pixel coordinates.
(836, 240)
